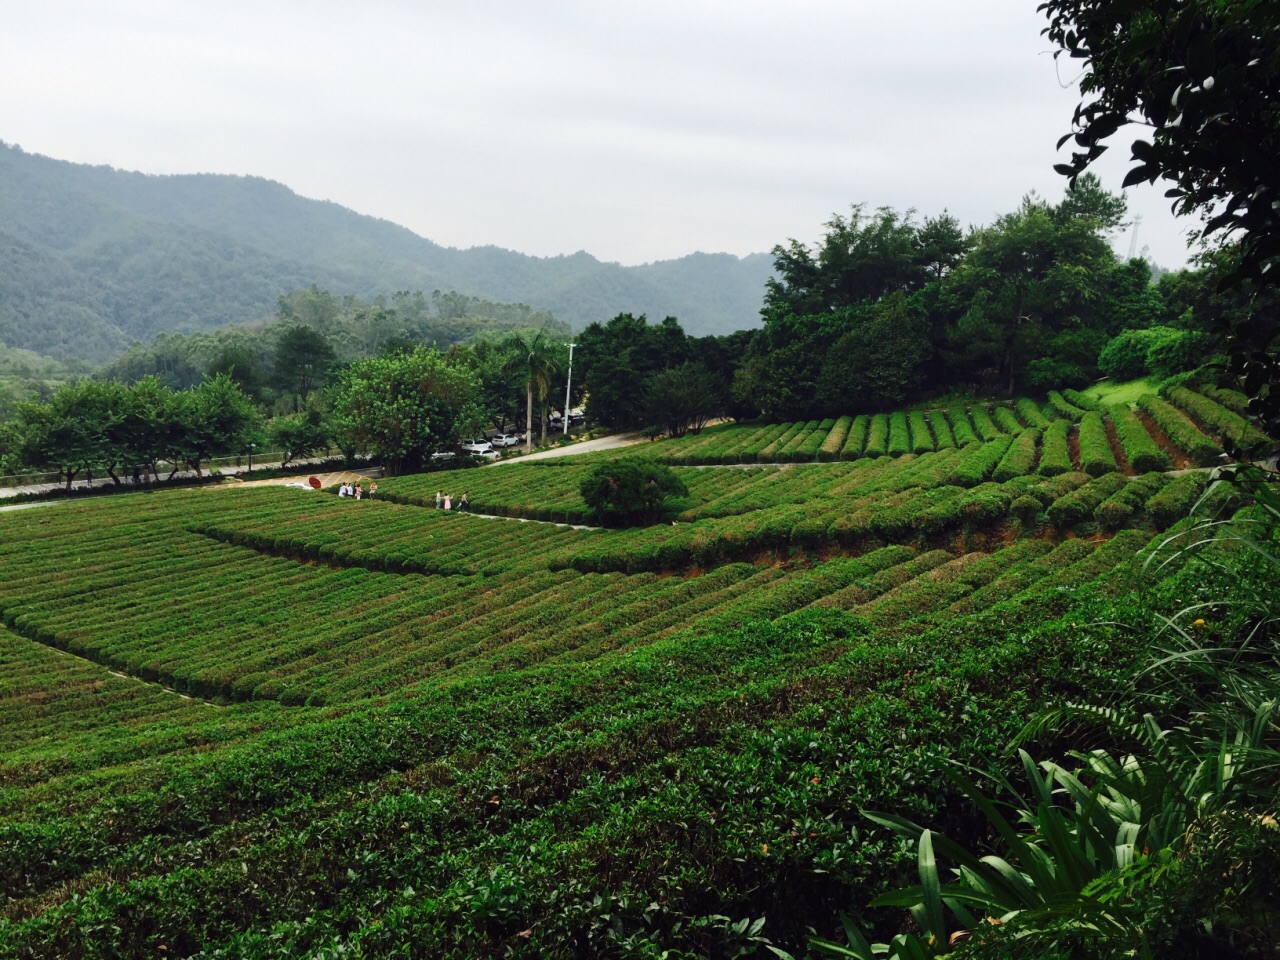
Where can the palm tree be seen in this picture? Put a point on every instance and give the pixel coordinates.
(534, 357)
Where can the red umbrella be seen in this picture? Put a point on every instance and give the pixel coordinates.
(315, 482)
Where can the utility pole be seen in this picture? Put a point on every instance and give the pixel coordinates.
(568, 385)
(1133, 240)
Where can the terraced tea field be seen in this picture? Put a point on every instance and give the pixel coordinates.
(265, 721)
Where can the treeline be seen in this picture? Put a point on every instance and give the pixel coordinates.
(886, 311)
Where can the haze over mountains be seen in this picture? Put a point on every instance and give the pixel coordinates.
(93, 258)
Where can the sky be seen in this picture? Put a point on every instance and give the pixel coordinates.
(636, 131)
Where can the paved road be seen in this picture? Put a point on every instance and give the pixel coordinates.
(610, 442)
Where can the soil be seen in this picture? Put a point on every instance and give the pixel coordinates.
(1073, 446)
(1180, 461)
(1117, 451)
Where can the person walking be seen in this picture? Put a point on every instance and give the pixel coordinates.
(448, 502)
(439, 499)
(359, 491)
(373, 489)
(462, 504)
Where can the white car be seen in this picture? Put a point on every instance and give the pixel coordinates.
(504, 440)
(477, 447)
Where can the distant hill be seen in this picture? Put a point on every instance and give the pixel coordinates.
(93, 258)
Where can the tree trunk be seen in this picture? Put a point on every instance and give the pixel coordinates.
(528, 418)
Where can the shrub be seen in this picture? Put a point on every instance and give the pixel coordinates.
(1175, 501)
(1064, 408)
(1115, 511)
(921, 438)
(1075, 507)
(983, 425)
(632, 491)
(1027, 509)
(853, 443)
(1031, 413)
(1076, 398)
(1142, 452)
(1231, 399)
(941, 431)
(977, 461)
(1096, 457)
(877, 436)
(1055, 458)
(1212, 414)
(835, 441)
(1184, 434)
(1019, 458)
(899, 435)
(1187, 350)
(960, 426)
(1007, 421)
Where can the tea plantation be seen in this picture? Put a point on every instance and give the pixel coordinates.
(263, 722)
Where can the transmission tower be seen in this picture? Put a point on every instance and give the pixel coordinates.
(1133, 239)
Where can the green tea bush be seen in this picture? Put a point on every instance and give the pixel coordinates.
(1007, 421)
(1096, 457)
(1020, 458)
(1233, 400)
(1064, 408)
(899, 435)
(835, 440)
(921, 439)
(977, 461)
(1031, 413)
(1078, 399)
(856, 441)
(877, 436)
(1055, 458)
(1225, 422)
(941, 431)
(1078, 506)
(983, 425)
(1142, 452)
(1184, 434)
(960, 426)
(1119, 508)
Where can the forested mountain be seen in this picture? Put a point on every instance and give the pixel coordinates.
(92, 258)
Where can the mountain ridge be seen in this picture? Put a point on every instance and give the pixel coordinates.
(95, 258)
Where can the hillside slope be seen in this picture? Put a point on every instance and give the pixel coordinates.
(96, 257)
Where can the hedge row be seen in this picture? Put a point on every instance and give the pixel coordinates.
(857, 439)
(899, 435)
(1227, 423)
(1119, 508)
(1020, 459)
(921, 439)
(1064, 408)
(835, 440)
(1078, 399)
(977, 461)
(1184, 434)
(1031, 413)
(1231, 399)
(1007, 421)
(1079, 505)
(1055, 458)
(877, 436)
(960, 426)
(1096, 457)
(941, 431)
(1142, 452)
(983, 425)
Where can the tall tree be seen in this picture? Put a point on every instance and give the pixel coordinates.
(302, 359)
(533, 357)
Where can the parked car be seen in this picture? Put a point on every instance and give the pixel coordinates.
(443, 455)
(477, 446)
(503, 440)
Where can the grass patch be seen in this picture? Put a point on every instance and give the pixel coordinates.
(1113, 394)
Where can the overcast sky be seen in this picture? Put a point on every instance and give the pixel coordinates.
(634, 131)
